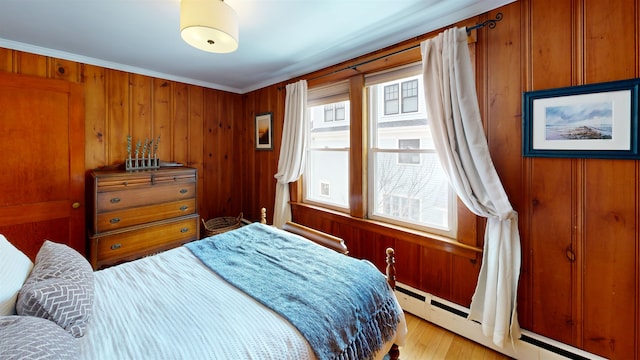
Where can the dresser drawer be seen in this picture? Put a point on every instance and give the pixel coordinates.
(112, 220)
(138, 241)
(118, 180)
(145, 195)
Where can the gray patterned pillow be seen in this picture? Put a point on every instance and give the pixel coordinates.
(27, 337)
(60, 288)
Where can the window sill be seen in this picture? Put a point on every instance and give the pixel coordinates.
(397, 232)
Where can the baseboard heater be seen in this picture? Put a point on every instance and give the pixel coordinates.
(453, 317)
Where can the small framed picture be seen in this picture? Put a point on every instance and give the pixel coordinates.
(587, 121)
(264, 131)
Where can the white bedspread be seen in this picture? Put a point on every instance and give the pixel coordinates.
(171, 306)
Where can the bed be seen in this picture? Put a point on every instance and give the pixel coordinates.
(209, 299)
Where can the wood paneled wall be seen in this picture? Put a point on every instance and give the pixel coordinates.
(579, 218)
(197, 126)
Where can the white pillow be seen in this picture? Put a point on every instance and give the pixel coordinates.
(15, 267)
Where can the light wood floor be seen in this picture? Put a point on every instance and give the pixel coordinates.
(426, 341)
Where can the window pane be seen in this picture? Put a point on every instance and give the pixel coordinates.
(411, 193)
(407, 186)
(410, 104)
(326, 177)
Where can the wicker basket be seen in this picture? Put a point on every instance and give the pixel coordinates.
(221, 224)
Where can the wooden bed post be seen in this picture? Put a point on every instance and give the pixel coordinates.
(263, 216)
(394, 352)
(391, 268)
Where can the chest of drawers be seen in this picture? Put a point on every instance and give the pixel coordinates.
(135, 214)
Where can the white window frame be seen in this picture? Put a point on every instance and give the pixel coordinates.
(327, 96)
(383, 77)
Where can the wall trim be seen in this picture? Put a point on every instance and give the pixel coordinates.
(453, 317)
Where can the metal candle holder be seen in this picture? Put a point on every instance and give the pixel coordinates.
(147, 159)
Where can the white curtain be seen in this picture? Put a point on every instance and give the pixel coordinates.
(292, 149)
(458, 135)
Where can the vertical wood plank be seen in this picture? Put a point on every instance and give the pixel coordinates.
(193, 128)
(247, 170)
(504, 101)
(410, 262)
(6, 60)
(140, 108)
(118, 122)
(550, 204)
(94, 81)
(611, 197)
(551, 235)
(609, 35)
(32, 64)
(65, 70)
(609, 249)
(213, 198)
(436, 277)
(162, 119)
(180, 130)
(196, 138)
(464, 277)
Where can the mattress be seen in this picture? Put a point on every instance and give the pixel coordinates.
(171, 306)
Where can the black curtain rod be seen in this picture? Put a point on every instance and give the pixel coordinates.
(491, 23)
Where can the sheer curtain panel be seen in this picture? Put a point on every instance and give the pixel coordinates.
(292, 150)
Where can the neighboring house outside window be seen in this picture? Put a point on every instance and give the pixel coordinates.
(409, 158)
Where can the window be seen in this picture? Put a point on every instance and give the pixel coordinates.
(399, 178)
(325, 189)
(406, 184)
(391, 99)
(328, 113)
(326, 174)
(339, 110)
(410, 96)
(334, 112)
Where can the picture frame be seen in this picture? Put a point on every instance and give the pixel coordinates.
(264, 131)
(586, 121)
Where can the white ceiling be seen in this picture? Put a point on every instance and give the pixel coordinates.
(279, 39)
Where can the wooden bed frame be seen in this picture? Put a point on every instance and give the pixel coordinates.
(337, 244)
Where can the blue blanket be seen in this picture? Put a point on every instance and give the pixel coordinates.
(341, 305)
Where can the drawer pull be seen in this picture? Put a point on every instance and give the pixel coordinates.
(116, 246)
(183, 191)
(183, 208)
(114, 200)
(114, 220)
(184, 230)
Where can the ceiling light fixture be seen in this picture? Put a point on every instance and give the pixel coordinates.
(209, 25)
